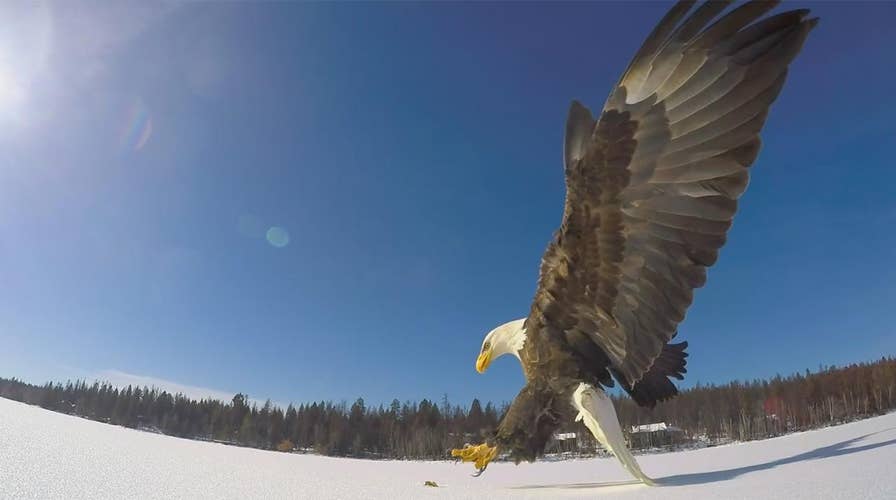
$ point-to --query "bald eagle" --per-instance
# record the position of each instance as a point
(651, 189)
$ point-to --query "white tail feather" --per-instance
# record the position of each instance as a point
(597, 412)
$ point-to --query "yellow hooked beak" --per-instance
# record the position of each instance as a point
(482, 362)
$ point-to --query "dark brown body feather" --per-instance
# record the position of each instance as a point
(652, 188)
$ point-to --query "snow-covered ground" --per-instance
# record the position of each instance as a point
(49, 455)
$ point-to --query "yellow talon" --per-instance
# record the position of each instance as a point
(480, 455)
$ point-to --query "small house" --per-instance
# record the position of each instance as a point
(656, 435)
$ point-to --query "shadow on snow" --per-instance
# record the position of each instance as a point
(834, 450)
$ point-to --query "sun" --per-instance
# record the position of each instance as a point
(12, 95)
(25, 42)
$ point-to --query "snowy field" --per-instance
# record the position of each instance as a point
(49, 455)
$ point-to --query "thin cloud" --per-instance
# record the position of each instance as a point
(123, 379)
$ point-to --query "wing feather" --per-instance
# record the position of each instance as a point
(652, 184)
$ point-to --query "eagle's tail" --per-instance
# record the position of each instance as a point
(655, 385)
(597, 413)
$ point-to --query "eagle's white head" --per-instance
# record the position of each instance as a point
(508, 338)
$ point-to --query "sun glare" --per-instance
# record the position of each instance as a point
(11, 93)
(24, 48)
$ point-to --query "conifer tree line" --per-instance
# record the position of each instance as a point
(427, 430)
(743, 411)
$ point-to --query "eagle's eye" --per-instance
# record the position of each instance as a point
(486, 346)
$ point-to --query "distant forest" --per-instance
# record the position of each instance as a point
(427, 430)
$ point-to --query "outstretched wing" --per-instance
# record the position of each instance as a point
(652, 183)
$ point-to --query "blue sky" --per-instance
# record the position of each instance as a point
(411, 154)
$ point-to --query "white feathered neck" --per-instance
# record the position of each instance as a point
(508, 338)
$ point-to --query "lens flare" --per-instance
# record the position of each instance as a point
(138, 127)
(278, 237)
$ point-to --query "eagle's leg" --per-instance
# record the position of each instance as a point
(480, 455)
